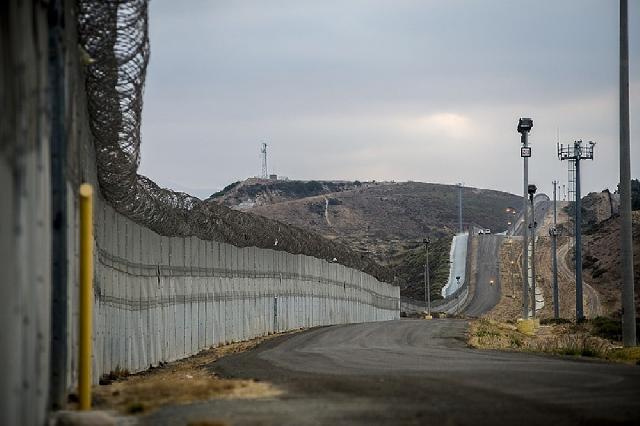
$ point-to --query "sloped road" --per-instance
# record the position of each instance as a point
(414, 372)
(486, 294)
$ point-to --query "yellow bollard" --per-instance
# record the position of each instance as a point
(86, 295)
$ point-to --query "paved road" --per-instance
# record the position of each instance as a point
(486, 295)
(414, 372)
(542, 204)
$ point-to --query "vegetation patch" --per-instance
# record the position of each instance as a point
(489, 334)
(607, 328)
(409, 269)
(561, 337)
(627, 355)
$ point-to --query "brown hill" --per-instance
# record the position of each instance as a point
(387, 220)
(255, 192)
(382, 218)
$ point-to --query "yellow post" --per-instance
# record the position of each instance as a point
(86, 295)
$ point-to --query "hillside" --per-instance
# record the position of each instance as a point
(601, 244)
(386, 220)
(256, 192)
(380, 218)
(601, 260)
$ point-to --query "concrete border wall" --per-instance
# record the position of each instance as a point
(158, 299)
(25, 222)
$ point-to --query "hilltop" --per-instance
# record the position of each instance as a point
(255, 192)
(374, 217)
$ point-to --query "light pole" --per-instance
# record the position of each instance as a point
(626, 239)
(427, 285)
(524, 127)
(554, 240)
(532, 191)
(458, 296)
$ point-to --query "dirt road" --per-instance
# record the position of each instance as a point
(591, 296)
(413, 372)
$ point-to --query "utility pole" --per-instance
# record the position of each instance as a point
(554, 241)
(628, 306)
(456, 311)
(427, 284)
(532, 191)
(460, 207)
(524, 127)
(577, 152)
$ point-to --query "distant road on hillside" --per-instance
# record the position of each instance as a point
(542, 203)
(486, 287)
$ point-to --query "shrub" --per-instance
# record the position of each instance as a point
(607, 328)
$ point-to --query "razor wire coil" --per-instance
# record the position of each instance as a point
(115, 37)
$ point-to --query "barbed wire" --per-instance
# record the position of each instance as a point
(115, 36)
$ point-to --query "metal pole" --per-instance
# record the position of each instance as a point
(554, 241)
(578, 231)
(533, 259)
(428, 283)
(525, 240)
(59, 231)
(460, 207)
(426, 306)
(457, 309)
(86, 295)
(628, 306)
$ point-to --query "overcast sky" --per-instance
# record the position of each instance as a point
(387, 90)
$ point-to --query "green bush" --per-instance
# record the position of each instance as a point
(607, 328)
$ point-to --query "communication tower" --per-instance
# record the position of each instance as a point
(263, 151)
(574, 153)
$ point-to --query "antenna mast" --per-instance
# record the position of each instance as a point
(263, 151)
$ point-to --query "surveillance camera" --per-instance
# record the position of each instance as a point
(531, 189)
(525, 125)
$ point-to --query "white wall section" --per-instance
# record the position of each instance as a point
(457, 268)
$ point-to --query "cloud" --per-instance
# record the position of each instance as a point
(446, 125)
(382, 89)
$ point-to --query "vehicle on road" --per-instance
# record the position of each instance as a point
(487, 231)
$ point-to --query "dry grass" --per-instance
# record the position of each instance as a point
(180, 382)
(563, 339)
(626, 355)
